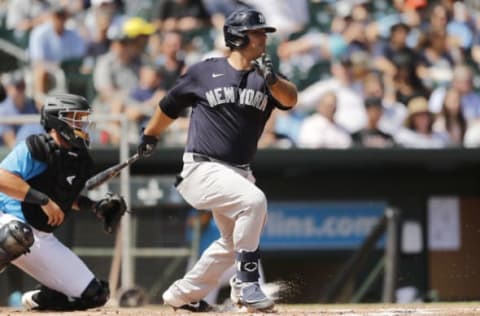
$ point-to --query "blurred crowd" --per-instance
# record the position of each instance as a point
(370, 73)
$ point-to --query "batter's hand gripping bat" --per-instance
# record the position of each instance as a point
(109, 173)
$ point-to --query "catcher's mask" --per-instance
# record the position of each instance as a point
(68, 114)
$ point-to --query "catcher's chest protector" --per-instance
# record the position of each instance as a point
(63, 179)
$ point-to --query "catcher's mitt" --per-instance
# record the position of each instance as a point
(111, 209)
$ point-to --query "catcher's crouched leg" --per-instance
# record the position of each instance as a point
(95, 295)
(16, 238)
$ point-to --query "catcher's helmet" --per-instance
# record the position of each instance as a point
(239, 22)
(68, 115)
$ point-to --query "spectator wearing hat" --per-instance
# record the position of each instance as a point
(139, 30)
(371, 136)
(50, 44)
(320, 130)
(418, 131)
(16, 103)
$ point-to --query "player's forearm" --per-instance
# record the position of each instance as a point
(284, 92)
(158, 123)
(12, 185)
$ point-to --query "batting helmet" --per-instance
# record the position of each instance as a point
(68, 115)
(239, 22)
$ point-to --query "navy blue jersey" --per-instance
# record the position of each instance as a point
(229, 109)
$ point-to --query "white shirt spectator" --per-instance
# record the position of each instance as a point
(472, 135)
(318, 132)
(411, 139)
(350, 110)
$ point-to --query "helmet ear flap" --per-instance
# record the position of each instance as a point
(235, 38)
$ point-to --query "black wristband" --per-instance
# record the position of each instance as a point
(36, 197)
(85, 203)
(272, 79)
(149, 139)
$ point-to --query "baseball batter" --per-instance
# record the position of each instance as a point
(231, 99)
(41, 181)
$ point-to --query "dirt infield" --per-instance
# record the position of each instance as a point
(457, 309)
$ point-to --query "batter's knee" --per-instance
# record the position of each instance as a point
(96, 294)
(16, 238)
(257, 202)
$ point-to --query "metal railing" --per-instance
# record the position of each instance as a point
(388, 224)
(18, 52)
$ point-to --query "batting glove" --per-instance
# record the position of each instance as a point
(147, 145)
(264, 67)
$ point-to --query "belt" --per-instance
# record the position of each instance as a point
(203, 158)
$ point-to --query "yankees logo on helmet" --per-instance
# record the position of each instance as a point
(239, 22)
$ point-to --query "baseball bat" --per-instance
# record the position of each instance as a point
(109, 173)
(115, 265)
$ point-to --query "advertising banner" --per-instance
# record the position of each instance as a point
(319, 225)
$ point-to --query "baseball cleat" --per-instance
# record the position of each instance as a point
(250, 296)
(195, 307)
(28, 300)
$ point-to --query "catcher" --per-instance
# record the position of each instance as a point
(41, 181)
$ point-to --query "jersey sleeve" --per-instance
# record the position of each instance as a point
(181, 96)
(20, 162)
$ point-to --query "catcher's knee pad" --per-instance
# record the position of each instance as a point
(95, 294)
(16, 238)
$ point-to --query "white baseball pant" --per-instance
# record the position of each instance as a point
(52, 264)
(239, 209)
